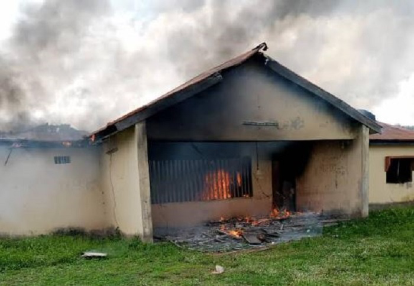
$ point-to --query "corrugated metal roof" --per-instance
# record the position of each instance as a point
(393, 133)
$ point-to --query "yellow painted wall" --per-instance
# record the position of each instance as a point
(38, 196)
(121, 181)
(380, 192)
(335, 180)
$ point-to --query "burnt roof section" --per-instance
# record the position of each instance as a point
(21, 143)
(212, 77)
(45, 133)
(392, 134)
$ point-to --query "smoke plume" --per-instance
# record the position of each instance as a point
(85, 62)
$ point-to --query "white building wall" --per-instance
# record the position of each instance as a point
(38, 196)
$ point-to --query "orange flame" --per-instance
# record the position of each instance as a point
(239, 179)
(236, 233)
(217, 185)
(275, 213)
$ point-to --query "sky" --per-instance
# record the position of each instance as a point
(87, 62)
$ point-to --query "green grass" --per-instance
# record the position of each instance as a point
(377, 250)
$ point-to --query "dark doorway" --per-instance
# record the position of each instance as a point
(286, 168)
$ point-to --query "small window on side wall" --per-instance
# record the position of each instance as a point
(62, 160)
(399, 170)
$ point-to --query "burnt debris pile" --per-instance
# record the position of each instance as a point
(247, 233)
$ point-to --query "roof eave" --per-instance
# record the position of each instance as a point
(155, 107)
(391, 142)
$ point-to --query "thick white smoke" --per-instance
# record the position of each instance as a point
(85, 62)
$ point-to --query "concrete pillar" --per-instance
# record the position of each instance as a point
(363, 139)
(144, 182)
(125, 182)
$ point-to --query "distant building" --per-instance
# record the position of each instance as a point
(391, 165)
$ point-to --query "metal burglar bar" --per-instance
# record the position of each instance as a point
(200, 180)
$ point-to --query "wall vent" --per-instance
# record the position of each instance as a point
(62, 159)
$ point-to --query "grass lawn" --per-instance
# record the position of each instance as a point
(378, 250)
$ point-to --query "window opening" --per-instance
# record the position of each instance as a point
(200, 180)
(62, 159)
(399, 170)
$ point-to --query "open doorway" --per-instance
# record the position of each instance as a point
(286, 168)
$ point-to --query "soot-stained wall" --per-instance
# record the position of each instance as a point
(181, 214)
(336, 177)
(249, 95)
(254, 104)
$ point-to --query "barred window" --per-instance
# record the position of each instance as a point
(200, 180)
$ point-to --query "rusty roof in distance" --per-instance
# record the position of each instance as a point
(393, 133)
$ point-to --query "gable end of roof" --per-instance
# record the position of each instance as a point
(326, 96)
(212, 77)
(182, 92)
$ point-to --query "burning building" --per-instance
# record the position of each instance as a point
(241, 139)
